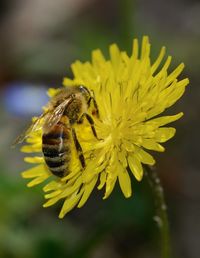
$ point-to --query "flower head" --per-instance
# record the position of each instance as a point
(130, 93)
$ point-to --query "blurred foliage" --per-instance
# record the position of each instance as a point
(28, 230)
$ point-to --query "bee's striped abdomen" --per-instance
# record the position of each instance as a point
(56, 149)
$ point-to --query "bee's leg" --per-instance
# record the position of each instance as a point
(91, 122)
(78, 148)
(96, 109)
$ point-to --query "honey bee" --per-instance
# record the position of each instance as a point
(67, 108)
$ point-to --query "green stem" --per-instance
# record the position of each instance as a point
(161, 211)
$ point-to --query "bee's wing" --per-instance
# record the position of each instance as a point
(54, 117)
(34, 126)
(51, 118)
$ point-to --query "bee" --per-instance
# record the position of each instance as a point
(67, 108)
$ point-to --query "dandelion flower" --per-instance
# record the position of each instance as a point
(131, 92)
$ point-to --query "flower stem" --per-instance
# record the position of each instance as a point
(161, 211)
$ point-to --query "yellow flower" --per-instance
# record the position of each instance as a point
(130, 92)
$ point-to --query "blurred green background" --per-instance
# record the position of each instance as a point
(38, 41)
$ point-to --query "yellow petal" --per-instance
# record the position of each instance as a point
(124, 181)
(52, 194)
(164, 134)
(163, 120)
(97, 58)
(135, 49)
(109, 187)
(52, 92)
(34, 159)
(145, 44)
(115, 57)
(68, 82)
(154, 67)
(144, 157)
(77, 69)
(102, 180)
(175, 73)
(53, 185)
(31, 148)
(68, 190)
(88, 187)
(70, 203)
(37, 180)
(135, 167)
(51, 201)
(175, 95)
(122, 158)
(128, 146)
(150, 144)
(35, 172)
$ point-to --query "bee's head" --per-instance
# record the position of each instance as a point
(85, 92)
